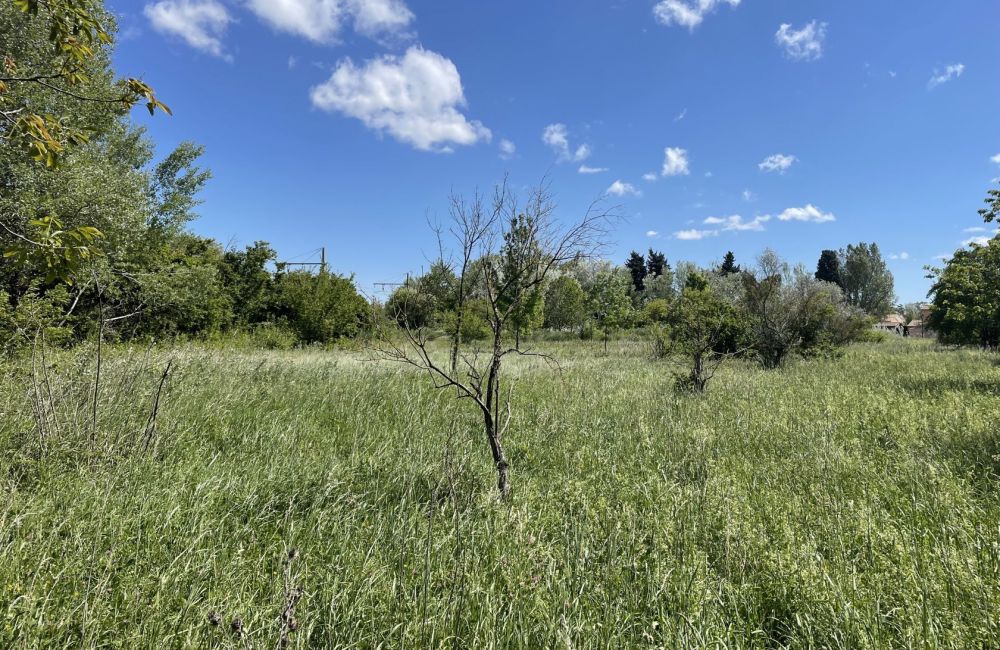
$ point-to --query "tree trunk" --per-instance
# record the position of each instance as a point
(491, 416)
(499, 457)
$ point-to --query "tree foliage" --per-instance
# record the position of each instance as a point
(828, 267)
(965, 307)
(866, 280)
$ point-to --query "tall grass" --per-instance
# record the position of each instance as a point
(843, 503)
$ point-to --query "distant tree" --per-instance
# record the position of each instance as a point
(610, 303)
(866, 279)
(521, 295)
(439, 283)
(828, 268)
(565, 304)
(729, 266)
(700, 326)
(249, 281)
(408, 306)
(636, 266)
(321, 307)
(965, 297)
(656, 264)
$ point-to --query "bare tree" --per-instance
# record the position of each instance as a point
(506, 250)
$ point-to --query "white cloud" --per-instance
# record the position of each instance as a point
(950, 72)
(587, 169)
(808, 213)
(649, 176)
(322, 20)
(804, 44)
(618, 188)
(996, 159)
(507, 149)
(557, 138)
(292, 62)
(975, 229)
(694, 234)
(903, 256)
(675, 162)
(737, 223)
(201, 23)
(415, 98)
(980, 241)
(652, 233)
(777, 163)
(687, 13)
(681, 115)
(749, 196)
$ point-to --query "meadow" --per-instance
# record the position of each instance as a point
(848, 502)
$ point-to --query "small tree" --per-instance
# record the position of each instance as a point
(828, 268)
(700, 326)
(513, 266)
(565, 304)
(610, 303)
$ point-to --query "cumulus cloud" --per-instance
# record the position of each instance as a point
(414, 98)
(749, 196)
(587, 169)
(649, 176)
(652, 233)
(694, 234)
(556, 136)
(200, 23)
(809, 213)
(507, 149)
(777, 163)
(322, 20)
(804, 44)
(903, 256)
(737, 223)
(687, 13)
(945, 75)
(618, 188)
(675, 162)
(996, 159)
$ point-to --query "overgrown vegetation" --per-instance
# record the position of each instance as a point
(844, 502)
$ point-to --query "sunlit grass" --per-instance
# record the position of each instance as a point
(835, 503)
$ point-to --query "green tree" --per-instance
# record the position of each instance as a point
(565, 304)
(249, 282)
(700, 328)
(992, 210)
(828, 268)
(965, 297)
(57, 92)
(321, 307)
(656, 264)
(866, 279)
(636, 266)
(610, 303)
(729, 266)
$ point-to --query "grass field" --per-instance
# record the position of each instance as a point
(847, 503)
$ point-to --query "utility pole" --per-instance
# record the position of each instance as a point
(321, 263)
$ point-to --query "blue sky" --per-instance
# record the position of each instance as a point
(716, 124)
